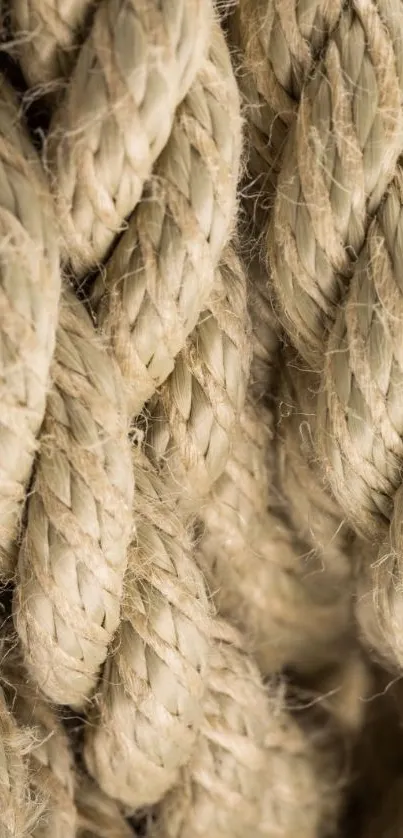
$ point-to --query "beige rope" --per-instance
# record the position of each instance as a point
(73, 557)
(278, 43)
(340, 157)
(136, 65)
(155, 679)
(162, 270)
(283, 577)
(50, 760)
(98, 816)
(194, 416)
(46, 36)
(20, 811)
(254, 772)
(29, 292)
(360, 420)
(150, 701)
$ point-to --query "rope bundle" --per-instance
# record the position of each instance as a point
(200, 422)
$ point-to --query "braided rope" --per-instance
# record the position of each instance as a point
(194, 416)
(150, 703)
(29, 293)
(287, 586)
(19, 810)
(135, 66)
(50, 759)
(278, 43)
(98, 816)
(161, 273)
(73, 558)
(341, 155)
(254, 771)
(46, 33)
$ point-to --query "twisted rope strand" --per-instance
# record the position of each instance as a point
(98, 816)
(161, 273)
(150, 702)
(279, 42)
(73, 557)
(286, 583)
(50, 759)
(47, 38)
(254, 772)
(29, 294)
(194, 417)
(20, 812)
(340, 157)
(136, 65)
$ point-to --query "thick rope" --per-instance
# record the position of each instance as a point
(278, 43)
(268, 574)
(138, 762)
(254, 771)
(149, 707)
(73, 558)
(340, 157)
(50, 759)
(161, 273)
(20, 810)
(136, 65)
(29, 293)
(98, 816)
(193, 420)
(46, 34)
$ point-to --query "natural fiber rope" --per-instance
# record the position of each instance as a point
(278, 43)
(162, 271)
(357, 424)
(294, 611)
(195, 413)
(137, 682)
(29, 293)
(340, 157)
(20, 811)
(253, 772)
(150, 703)
(50, 759)
(98, 816)
(136, 65)
(73, 558)
(46, 38)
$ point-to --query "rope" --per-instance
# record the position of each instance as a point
(134, 68)
(29, 293)
(74, 554)
(161, 273)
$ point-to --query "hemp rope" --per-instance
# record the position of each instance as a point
(20, 811)
(98, 816)
(293, 611)
(340, 157)
(161, 273)
(277, 43)
(359, 461)
(158, 769)
(29, 293)
(134, 68)
(46, 37)
(254, 771)
(193, 418)
(50, 760)
(160, 665)
(149, 706)
(79, 523)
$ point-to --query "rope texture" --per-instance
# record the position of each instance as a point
(196, 443)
